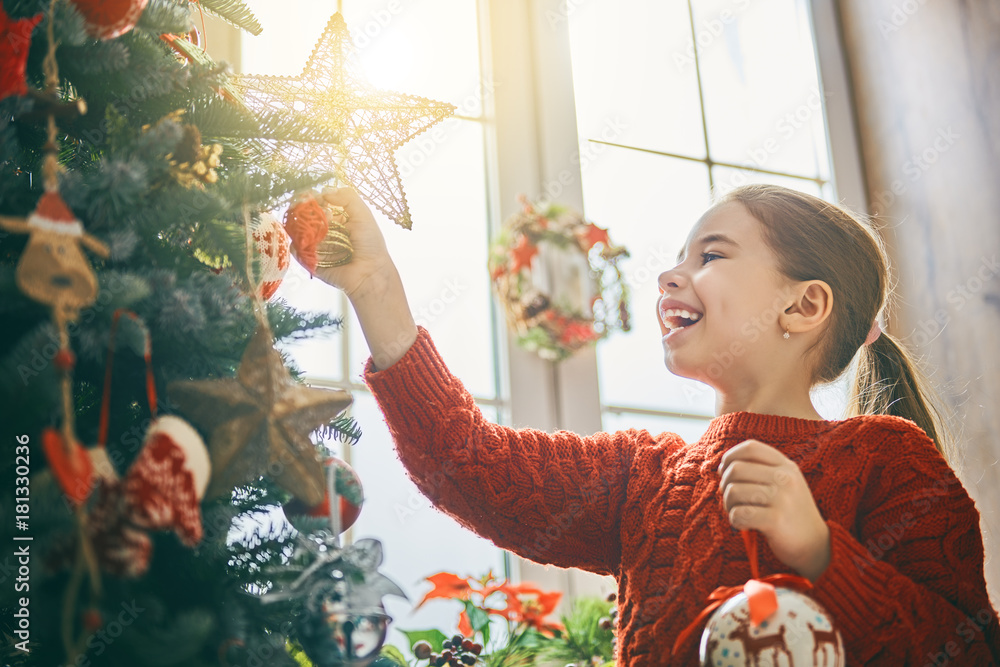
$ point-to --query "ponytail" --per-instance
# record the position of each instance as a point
(889, 382)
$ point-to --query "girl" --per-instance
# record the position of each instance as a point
(866, 508)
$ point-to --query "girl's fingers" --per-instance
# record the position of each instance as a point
(758, 495)
(750, 471)
(752, 450)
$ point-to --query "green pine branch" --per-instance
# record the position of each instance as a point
(236, 13)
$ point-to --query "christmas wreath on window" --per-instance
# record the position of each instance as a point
(558, 278)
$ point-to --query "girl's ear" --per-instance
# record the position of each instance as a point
(812, 306)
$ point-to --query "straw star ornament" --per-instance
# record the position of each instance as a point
(260, 422)
(365, 124)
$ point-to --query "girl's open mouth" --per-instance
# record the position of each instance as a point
(675, 318)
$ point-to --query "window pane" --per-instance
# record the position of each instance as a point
(290, 31)
(649, 203)
(318, 356)
(763, 103)
(634, 74)
(689, 429)
(418, 540)
(726, 179)
(400, 46)
(442, 260)
(422, 49)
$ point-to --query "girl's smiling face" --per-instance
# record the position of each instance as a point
(720, 306)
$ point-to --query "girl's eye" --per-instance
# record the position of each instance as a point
(707, 257)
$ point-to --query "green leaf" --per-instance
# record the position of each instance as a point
(477, 617)
(390, 655)
(433, 637)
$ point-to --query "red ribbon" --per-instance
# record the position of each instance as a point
(147, 352)
(761, 596)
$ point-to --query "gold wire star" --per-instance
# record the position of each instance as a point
(259, 423)
(367, 125)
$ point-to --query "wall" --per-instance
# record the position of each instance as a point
(926, 77)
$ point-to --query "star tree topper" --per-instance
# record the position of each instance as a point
(259, 422)
(369, 124)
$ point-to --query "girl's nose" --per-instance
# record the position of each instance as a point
(671, 279)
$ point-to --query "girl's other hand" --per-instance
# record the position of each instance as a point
(370, 254)
(762, 489)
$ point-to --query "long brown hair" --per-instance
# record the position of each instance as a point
(816, 240)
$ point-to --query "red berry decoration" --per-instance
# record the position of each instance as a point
(65, 360)
(107, 19)
(92, 620)
(422, 650)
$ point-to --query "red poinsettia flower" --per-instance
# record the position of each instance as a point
(529, 605)
(449, 586)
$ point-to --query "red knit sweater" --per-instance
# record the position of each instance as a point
(905, 582)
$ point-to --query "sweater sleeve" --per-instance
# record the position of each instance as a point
(552, 498)
(906, 585)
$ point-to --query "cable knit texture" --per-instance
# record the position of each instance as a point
(905, 582)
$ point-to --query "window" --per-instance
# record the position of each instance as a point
(676, 101)
(445, 173)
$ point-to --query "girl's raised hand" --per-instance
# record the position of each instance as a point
(370, 254)
(372, 283)
(762, 489)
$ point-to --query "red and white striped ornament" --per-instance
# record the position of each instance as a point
(271, 241)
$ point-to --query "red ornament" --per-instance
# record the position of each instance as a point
(92, 620)
(307, 224)
(107, 19)
(15, 42)
(348, 487)
(165, 485)
(70, 465)
(521, 255)
(593, 235)
(271, 242)
(65, 360)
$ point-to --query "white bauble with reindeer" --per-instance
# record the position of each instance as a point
(799, 634)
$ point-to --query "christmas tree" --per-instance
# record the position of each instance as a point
(135, 177)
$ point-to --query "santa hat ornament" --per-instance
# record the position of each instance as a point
(271, 242)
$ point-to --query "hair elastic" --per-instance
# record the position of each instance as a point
(873, 335)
